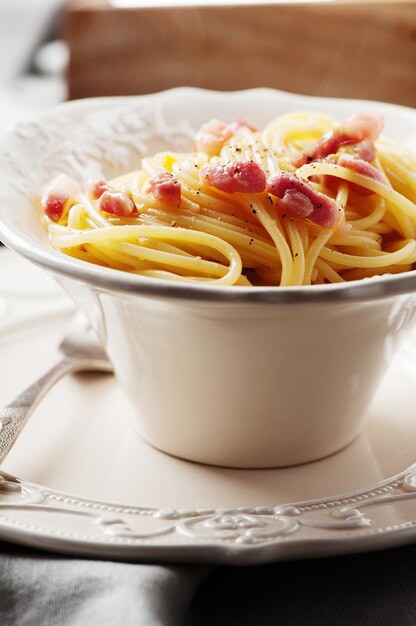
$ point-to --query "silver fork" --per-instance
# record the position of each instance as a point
(80, 352)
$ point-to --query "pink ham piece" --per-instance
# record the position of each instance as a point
(211, 137)
(96, 188)
(242, 177)
(299, 199)
(166, 188)
(117, 203)
(56, 194)
(239, 124)
(358, 128)
(361, 167)
(365, 150)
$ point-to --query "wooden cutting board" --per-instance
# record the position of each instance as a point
(339, 48)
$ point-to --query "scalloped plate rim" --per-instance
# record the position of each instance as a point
(215, 552)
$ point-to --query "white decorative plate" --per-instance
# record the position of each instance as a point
(79, 442)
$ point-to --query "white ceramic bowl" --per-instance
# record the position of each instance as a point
(260, 377)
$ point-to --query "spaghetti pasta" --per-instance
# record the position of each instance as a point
(306, 201)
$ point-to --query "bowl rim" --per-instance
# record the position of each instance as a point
(118, 281)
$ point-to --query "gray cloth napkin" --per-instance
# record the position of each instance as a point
(373, 589)
(38, 589)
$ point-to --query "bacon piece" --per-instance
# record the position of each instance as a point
(358, 128)
(242, 177)
(165, 188)
(56, 194)
(365, 150)
(96, 188)
(238, 124)
(361, 167)
(116, 202)
(300, 199)
(211, 137)
(53, 206)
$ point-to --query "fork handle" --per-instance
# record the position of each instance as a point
(14, 416)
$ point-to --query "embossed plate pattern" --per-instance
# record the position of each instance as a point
(238, 535)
